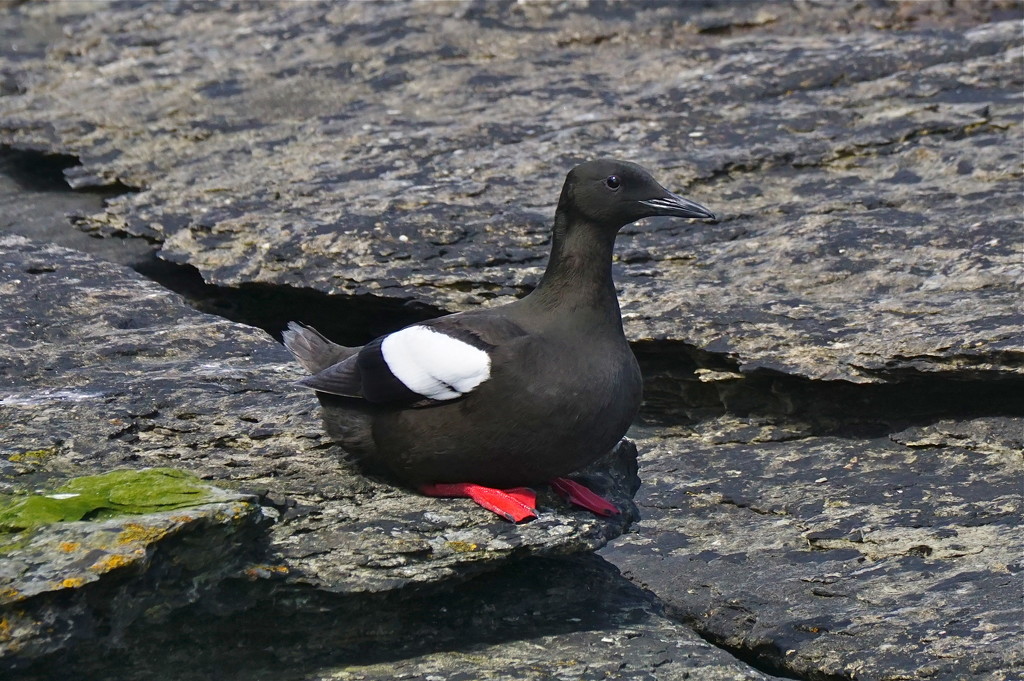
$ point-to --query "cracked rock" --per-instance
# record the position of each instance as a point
(88, 582)
(868, 180)
(103, 369)
(840, 557)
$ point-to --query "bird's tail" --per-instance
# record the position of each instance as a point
(314, 352)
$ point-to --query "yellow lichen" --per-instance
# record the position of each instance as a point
(110, 562)
(32, 456)
(135, 532)
(264, 571)
(68, 546)
(72, 582)
(461, 546)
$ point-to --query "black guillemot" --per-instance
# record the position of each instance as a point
(484, 403)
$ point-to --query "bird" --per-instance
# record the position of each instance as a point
(490, 403)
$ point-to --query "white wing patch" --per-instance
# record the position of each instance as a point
(433, 364)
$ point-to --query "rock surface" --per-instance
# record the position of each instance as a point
(74, 583)
(540, 619)
(104, 369)
(415, 151)
(832, 430)
(825, 557)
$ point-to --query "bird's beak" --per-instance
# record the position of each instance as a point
(676, 206)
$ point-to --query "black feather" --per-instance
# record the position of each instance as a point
(313, 351)
(341, 379)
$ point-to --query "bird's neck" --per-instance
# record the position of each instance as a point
(578, 279)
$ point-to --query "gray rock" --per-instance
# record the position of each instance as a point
(320, 158)
(826, 557)
(103, 369)
(75, 583)
(34, 202)
(867, 177)
(571, 618)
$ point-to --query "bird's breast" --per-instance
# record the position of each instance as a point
(582, 382)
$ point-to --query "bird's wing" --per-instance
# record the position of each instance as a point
(435, 361)
(342, 379)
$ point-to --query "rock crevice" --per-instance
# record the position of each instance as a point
(830, 448)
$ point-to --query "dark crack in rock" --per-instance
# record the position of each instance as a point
(865, 161)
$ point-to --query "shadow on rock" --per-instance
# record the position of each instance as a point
(530, 618)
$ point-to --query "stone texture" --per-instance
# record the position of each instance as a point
(34, 202)
(539, 619)
(865, 164)
(832, 431)
(103, 369)
(828, 557)
(88, 582)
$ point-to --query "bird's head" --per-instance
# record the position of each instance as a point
(614, 193)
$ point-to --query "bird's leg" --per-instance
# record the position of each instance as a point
(516, 504)
(577, 494)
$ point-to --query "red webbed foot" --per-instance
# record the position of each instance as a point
(577, 494)
(516, 504)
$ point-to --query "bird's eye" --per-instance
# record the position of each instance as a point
(612, 182)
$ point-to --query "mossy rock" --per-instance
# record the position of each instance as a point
(93, 497)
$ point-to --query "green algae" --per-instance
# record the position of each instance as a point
(96, 497)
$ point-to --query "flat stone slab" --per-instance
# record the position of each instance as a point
(865, 162)
(534, 620)
(104, 369)
(864, 558)
(867, 178)
(87, 582)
